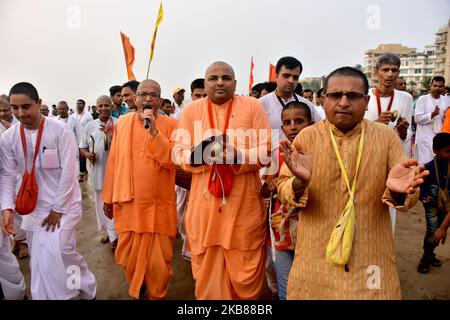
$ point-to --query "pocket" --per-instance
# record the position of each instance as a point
(50, 159)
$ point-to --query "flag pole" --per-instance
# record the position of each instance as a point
(152, 47)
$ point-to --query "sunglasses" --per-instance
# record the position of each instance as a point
(351, 96)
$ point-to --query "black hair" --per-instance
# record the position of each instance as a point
(438, 79)
(114, 89)
(298, 105)
(25, 88)
(268, 86)
(166, 101)
(288, 63)
(319, 92)
(198, 84)
(308, 90)
(299, 89)
(133, 85)
(257, 87)
(387, 58)
(81, 100)
(347, 72)
(441, 141)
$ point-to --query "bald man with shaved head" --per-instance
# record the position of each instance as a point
(139, 193)
(226, 217)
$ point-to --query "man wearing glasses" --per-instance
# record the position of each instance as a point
(346, 162)
(139, 192)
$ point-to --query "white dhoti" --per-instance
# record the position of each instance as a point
(58, 271)
(393, 214)
(11, 279)
(21, 234)
(425, 151)
(102, 221)
(182, 203)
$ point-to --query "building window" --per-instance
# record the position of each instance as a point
(417, 78)
(403, 71)
(416, 71)
(428, 71)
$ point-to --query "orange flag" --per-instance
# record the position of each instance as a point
(272, 76)
(128, 51)
(250, 82)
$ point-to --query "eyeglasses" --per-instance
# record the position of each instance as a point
(152, 95)
(351, 96)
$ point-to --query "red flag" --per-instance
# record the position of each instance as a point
(272, 76)
(250, 82)
(128, 51)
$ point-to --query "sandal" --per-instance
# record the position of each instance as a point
(114, 245)
(423, 266)
(435, 262)
(104, 240)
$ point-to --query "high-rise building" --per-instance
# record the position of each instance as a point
(416, 68)
(443, 53)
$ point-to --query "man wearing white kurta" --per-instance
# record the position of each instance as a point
(390, 106)
(429, 116)
(72, 122)
(58, 271)
(95, 144)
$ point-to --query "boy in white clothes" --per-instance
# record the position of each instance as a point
(429, 116)
(57, 270)
(95, 144)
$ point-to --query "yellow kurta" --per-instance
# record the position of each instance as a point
(240, 224)
(373, 254)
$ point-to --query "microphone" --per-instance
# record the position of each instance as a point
(146, 121)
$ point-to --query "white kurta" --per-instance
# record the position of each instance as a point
(402, 104)
(57, 179)
(273, 108)
(11, 279)
(83, 119)
(94, 140)
(74, 125)
(428, 127)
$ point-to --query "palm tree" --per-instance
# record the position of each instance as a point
(412, 85)
(426, 84)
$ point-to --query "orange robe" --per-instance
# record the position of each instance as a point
(139, 181)
(446, 124)
(226, 240)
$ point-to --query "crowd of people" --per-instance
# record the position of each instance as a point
(289, 187)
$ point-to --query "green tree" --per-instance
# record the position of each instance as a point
(426, 83)
(412, 85)
(359, 67)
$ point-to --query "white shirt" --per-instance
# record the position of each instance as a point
(428, 127)
(273, 108)
(83, 119)
(74, 125)
(57, 182)
(92, 131)
(402, 103)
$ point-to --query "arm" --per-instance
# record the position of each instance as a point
(8, 175)
(161, 148)
(420, 117)
(67, 148)
(404, 178)
(256, 155)
(108, 181)
(295, 174)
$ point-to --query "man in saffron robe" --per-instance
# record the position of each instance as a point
(138, 191)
